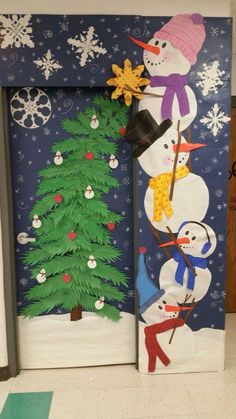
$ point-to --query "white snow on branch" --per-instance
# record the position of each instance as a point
(86, 46)
(215, 119)
(47, 64)
(210, 78)
(16, 30)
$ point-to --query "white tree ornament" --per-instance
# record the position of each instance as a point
(16, 31)
(36, 223)
(215, 119)
(47, 64)
(58, 159)
(113, 162)
(89, 193)
(99, 304)
(92, 264)
(30, 107)
(210, 78)
(86, 46)
(94, 124)
(41, 277)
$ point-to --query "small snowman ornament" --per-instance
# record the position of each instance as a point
(41, 277)
(113, 163)
(89, 193)
(94, 124)
(91, 262)
(58, 159)
(99, 304)
(36, 223)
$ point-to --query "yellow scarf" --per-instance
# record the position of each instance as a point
(161, 184)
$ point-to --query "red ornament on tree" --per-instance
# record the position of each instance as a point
(89, 155)
(111, 226)
(72, 235)
(58, 198)
(66, 277)
(122, 131)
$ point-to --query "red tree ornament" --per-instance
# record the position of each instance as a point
(89, 155)
(72, 235)
(66, 277)
(122, 131)
(58, 198)
(111, 226)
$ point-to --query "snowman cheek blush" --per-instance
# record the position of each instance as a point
(167, 160)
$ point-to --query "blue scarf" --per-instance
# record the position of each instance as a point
(196, 262)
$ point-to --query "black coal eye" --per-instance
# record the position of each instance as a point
(160, 307)
(173, 141)
(164, 302)
(164, 45)
(166, 146)
(186, 233)
(194, 238)
(156, 42)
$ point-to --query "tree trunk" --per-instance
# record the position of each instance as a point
(76, 313)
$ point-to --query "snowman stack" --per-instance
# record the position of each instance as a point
(176, 201)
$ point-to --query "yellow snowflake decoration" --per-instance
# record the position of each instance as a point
(127, 81)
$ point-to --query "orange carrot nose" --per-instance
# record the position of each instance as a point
(187, 147)
(169, 307)
(151, 48)
(181, 240)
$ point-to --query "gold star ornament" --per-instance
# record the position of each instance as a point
(127, 81)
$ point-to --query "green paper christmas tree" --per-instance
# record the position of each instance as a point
(72, 256)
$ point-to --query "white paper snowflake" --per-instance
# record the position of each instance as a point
(86, 46)
(215, 119)
(210, 78)
(47, 64)
(16, 30)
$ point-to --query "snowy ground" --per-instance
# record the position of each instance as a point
(189, 351)
(56, 342)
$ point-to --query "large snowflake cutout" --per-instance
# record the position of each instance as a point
(16, 31)
(215, 119)
(86, 46)
(210, 78)
(47, 64)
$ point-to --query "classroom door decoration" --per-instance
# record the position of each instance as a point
(88, 96)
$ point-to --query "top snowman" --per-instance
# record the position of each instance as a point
(168, 57)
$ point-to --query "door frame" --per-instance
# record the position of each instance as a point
(8, 245)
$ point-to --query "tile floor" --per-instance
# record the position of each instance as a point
(120, 392)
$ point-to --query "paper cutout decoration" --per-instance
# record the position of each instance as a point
(198, 242)
(99, 304)
(127, 81)
(142, 131)
(72, 235)
(47, 64)
(94, 124)
(113, 162)
(41, 277)
(66, 278)
(30, 107)
(58, 159)
(92, 264)
(168, 57)
(36, 223)
(89, 193)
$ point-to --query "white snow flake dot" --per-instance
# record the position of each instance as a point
(86, 46)
(47, 64)
(16, 31)
(215, 119)
(210, 78)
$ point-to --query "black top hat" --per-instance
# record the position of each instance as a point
(142, 130)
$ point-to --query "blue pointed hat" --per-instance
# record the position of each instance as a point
(148, 292)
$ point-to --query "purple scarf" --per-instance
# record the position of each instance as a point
(175, 84)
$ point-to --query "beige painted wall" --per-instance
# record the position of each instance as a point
(143, 7)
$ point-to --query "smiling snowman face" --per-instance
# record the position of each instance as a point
(200, 239)
(169, 61)
(159, 158)
(163, 309)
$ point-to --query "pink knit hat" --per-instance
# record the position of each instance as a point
(185, 32)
